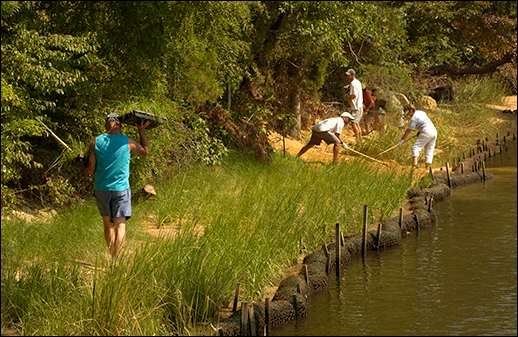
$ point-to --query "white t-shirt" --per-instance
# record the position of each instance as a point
(356, 89)
(334, 125)
(420, 121)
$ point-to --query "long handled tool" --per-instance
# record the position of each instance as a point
(54, 135)
(393, 147)
(377, 161)
(387, 150)
(80, 161)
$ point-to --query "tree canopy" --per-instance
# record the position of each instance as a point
(70, 62)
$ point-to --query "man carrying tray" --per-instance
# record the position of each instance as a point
(108, 159)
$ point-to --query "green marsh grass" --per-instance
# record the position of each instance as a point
(244, 217)
(187, 247)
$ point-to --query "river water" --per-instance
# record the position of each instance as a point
(458, 277)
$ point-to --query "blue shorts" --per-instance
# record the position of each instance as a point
(114, 203)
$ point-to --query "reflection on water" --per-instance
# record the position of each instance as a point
(456, 278)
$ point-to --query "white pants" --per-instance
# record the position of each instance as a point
(426, 139)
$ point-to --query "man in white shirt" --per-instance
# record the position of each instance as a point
(356, 101)
(330, 131)
(426, 136)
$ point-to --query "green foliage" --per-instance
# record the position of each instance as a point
(69, 63)
(208, 47)
(458, 32)
(245, 127)
(388, 79)
(214, 225)
(41, 75)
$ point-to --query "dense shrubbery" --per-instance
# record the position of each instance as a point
(70, 63)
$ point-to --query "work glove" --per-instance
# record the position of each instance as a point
(400, 142)
(344, 145)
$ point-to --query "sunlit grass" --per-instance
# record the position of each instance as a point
(188, 246)
(460, 124)
(241, 218)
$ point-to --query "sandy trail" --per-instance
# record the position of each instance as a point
(324, 153)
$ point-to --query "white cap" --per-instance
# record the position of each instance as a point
(346, 114)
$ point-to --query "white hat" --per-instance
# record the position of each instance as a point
(346, 114)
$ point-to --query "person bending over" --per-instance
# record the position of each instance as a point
(328, 130)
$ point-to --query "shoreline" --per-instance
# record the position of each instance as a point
(291, 298)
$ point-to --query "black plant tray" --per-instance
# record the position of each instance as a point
(137, 116)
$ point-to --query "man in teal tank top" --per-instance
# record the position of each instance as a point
(108, 160)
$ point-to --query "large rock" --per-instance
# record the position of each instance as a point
(427, 102)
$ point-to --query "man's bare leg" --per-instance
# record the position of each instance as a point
(109, 233)
(114, 233)
(120, 234)
(336, 148)
(369, 124)
(304, 149)
(357, 130)
(415, 160)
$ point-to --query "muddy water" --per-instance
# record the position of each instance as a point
(456, 278)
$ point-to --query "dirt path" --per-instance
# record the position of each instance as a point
(324, 153)
(508, 103)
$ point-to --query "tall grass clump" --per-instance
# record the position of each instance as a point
(185, 249)
(470, 117)
(247, 217)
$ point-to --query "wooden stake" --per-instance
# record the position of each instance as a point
(295, 306)
(337, 246)
(236, 296)
(364, 241)
(379, 236)
(267, 315)
(448, 173)
(251, 317)
(400, 217)
(326, 250)
(244, 318)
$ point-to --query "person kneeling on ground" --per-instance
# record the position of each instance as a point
(328, 130)
(426, 136)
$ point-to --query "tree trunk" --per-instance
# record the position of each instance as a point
(451, 70)
(294, 130)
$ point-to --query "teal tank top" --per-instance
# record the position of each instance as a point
(112, 157)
